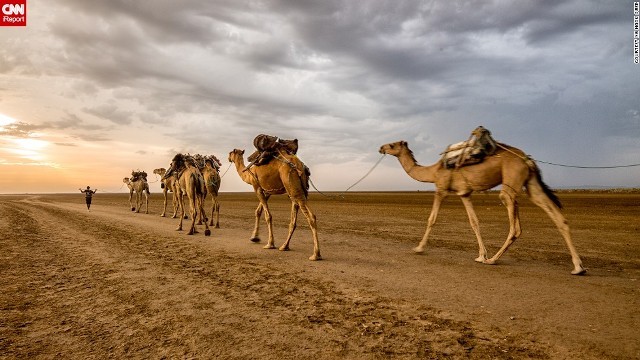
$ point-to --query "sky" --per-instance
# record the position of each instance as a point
(91, 90)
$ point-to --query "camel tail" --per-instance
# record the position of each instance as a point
(545, 188)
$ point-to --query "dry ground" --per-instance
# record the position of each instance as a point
(114, 284)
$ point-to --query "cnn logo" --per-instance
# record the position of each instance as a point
(14, 12)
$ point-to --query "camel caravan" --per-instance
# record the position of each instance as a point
(477, 164)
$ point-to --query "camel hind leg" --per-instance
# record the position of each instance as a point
(539, 197)
(292, 225)
(202, 199)
(194, 213)
(216, 210)
(311, 218)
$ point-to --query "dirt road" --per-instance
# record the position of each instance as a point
(114, 284)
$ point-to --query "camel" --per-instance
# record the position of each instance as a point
(167, 185)
(130, 186)
(212, 182)
(191, 183)
(285, 174)
(509, 167)
(138, 183)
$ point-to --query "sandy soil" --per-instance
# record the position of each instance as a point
(114, 284)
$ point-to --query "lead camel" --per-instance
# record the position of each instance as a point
(509, 167)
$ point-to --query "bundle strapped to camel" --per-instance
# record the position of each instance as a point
(473, 151)
(267, 148)
(136, 175)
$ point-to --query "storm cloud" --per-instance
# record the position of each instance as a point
(555, 78)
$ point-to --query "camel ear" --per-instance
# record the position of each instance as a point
(241, 152)
(404, 143)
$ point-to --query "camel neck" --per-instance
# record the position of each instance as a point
(244, 175)
(414, 170)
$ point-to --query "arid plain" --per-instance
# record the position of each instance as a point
(110, 283)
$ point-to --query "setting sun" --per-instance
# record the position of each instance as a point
(6, 120)
(30, 149)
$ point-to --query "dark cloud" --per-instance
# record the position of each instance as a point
(19, 129)
(550, 76)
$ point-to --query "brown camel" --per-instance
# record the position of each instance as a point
(191, 183)
(128, 182)
(168, 185)
(138, 183)
(212, 182)
(284, 174)
(509, 167)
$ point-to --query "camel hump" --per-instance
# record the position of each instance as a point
(472, 151)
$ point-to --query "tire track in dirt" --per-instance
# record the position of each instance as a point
(108, 289)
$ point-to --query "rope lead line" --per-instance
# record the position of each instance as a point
(563, 165)
(356, 183)
(368, 172)
(588, 167)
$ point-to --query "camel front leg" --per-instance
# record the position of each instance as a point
(475, 225)
(176, 205)
(138, 201)
(267, 217)
(164, 205)
(292, 225)
(437, 201)
(133, 208)
(146, 203)
(255, 236)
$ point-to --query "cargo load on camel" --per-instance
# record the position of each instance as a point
(136, 175)
(267, 148)
(472, 151)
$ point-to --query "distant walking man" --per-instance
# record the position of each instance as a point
(88, 194)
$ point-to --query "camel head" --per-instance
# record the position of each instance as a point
(160, 171)
(125, 180)
(235, 155)
(394, 148)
